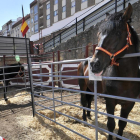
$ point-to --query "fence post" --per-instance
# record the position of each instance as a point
(86, 55)
(53, 40)
(41, 76)
(123, 4)
(96, 111)
(53, 92)
(60, 38)
(83, 24)
(29, 67)
(76, 26)
(115, 6)
(58, 59)
(31, 84)
(4, 60)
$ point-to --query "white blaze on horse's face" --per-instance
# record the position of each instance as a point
(101, 39)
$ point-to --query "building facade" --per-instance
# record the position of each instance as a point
(16, 28)
(7, 28)
(52, 11)
(34, 17)
(43, 16)
(44, 13)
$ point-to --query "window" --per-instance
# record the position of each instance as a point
(72, 4)
(35, 18)
(83, 1)
(32, 29)
(35, 9)
(36, 28)
(55, 13)
(31, 11)
(48, 6)
(28, 22)
(32, 20)
(64, 8)
(55, 2)
(48, 16)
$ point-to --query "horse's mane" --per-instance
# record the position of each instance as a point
(114, 21)
(135, 38)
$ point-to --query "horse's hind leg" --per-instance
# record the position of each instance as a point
(110, 106)
(125, 110)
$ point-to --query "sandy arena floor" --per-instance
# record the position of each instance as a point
(17, 123)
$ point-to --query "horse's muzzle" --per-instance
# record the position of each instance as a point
(95, 66)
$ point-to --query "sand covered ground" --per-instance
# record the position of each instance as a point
(17, 123)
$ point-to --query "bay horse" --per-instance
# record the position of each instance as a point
(17, 69)
(115, 39)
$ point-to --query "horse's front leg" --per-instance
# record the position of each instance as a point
(110, 106)
(89, 100)
(84, 104)
(125, 110)
(5, 90)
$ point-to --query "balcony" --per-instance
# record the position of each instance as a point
(8, 33)
(41, 25)
(40, 5)
(41, 14)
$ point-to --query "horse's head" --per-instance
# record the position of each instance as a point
(113, 39)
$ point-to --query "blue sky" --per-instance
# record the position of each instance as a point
(12, 9)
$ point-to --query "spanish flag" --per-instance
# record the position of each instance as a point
(24, 26)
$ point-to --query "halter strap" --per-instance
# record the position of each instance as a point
(112, 56)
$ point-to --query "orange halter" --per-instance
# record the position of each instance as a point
(112, 56)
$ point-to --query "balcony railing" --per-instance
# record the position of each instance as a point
(41, 3)
(41, 14)
(41, 25)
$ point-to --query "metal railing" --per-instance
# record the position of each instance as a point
(81, 24)
(42, 104)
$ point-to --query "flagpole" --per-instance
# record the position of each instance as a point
(29, 71)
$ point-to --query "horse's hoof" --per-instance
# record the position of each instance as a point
(110, 137)
(89, 117)
(8, 102)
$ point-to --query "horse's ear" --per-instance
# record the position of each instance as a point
(128, 12)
